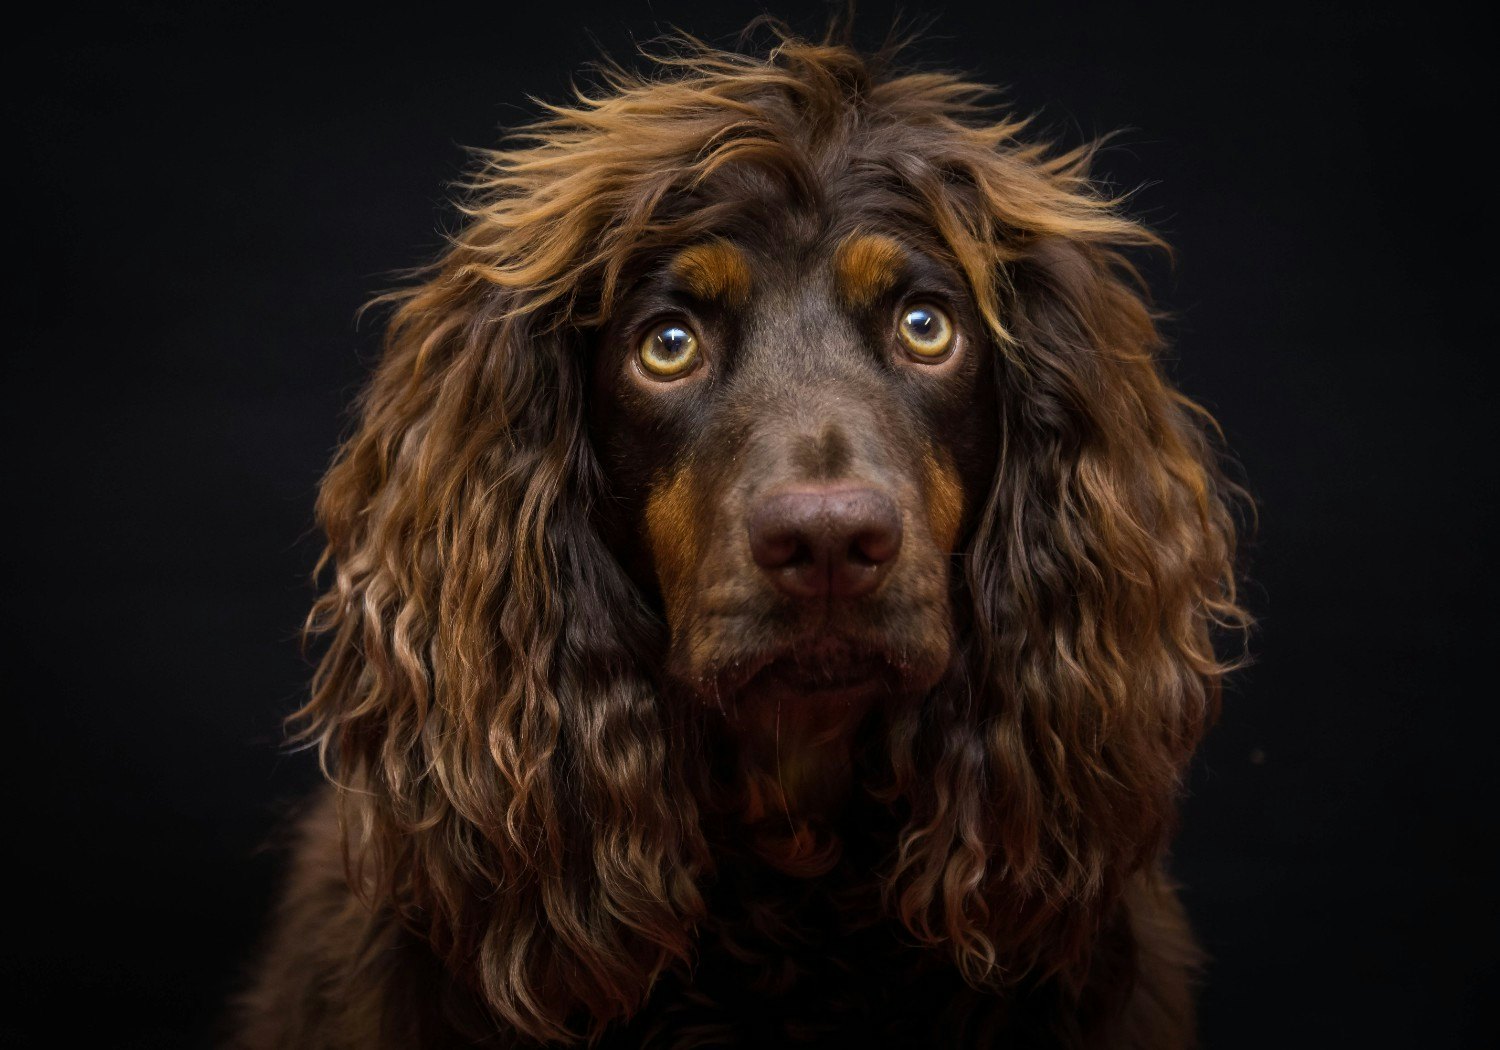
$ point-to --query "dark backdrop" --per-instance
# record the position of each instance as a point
(206, 197)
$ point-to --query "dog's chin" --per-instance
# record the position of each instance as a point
(828, 673)
(794, 714)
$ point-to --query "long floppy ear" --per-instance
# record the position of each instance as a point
(1099, 572)
(506, 780)
(1111, 543)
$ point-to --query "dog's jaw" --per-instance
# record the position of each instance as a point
(796, 770)
(795, 725)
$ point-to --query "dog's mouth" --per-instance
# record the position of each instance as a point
(833, 671)
(792, 674)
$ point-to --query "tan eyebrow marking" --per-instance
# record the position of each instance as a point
(714, 269)
(866, 266)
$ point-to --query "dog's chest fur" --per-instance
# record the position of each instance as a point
(787, 962)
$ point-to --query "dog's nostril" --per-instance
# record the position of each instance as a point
(877, 545)
(825, 540)
(781, 549)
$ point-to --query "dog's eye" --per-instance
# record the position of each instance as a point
(669, 350)
(926, 331)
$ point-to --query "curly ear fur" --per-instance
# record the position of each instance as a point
(509, 778)
(506, 776)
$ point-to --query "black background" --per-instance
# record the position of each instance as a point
(206, 197)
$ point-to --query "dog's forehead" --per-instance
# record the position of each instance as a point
(796, 323)
(852, 227)
(852, 268)
(794, 330)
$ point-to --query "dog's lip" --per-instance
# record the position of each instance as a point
(833, 669)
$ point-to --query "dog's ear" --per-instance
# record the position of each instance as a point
(1100, 570)
(1110, 564)
(506, 778)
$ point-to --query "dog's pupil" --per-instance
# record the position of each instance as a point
(921, 323)
(672, 342)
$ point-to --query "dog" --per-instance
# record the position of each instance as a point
(774, 595)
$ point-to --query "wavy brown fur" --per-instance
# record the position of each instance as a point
(514, 784)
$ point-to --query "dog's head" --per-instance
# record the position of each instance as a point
(788, 401)
(796, 415)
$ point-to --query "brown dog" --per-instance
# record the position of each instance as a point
(772, 595)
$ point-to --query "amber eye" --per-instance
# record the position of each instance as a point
(926, 331)
(669, 350)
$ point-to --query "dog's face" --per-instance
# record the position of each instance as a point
(799, 429)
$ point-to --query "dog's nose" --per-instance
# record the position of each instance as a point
(825, 540)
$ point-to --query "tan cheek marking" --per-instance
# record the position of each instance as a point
(866, 266)
(945, 501)
(715, 270)
(670, 531)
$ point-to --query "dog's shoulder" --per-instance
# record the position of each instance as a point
(336, 973)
